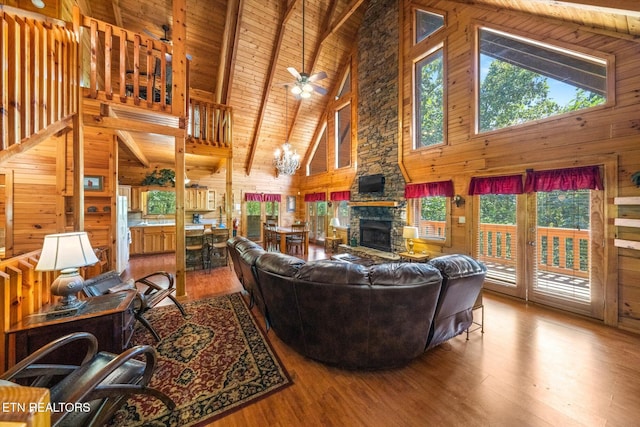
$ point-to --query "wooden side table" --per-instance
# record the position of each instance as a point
(414, 257)
(331, 243)
(109, 317)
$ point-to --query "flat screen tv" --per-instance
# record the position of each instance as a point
(371, 184)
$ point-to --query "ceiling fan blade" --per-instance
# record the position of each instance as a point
(150, 34)
(294, 73)
(318, 76)
(319, 89)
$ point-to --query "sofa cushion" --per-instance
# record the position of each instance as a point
(280, 264)
(333, 272)
(456, 266)
(405, 274)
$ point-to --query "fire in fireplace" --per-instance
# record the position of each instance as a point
(375, 234)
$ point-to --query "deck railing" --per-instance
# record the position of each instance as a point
(559, 250)
(39, 82)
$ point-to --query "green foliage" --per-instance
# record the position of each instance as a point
(160, 177)
(161, 202)
(253, 208)
(510, 95)
(433, 208)
(430, 100)
(564, 209)
(498, 209)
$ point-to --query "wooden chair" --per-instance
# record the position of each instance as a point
(271, 239)
(148, 298)
(296, 240)
(101, 383)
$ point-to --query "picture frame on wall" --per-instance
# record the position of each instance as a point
(94, 183)
(291, 203)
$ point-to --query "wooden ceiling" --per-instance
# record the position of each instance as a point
(241, 49)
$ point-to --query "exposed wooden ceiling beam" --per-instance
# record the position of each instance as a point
(350, 10)
(132, 147)
(229, 42)
(117, 13)
(224, 98)
(268, 82)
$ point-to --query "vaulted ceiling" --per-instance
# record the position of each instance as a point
(241, 49)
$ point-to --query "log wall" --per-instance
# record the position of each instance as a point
(607, 135)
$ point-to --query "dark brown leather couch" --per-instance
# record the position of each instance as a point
(462, 279)
(349, 315)
(363, 317)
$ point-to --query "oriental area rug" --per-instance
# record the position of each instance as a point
(213, 362)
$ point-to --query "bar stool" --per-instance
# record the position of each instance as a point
(196, 249)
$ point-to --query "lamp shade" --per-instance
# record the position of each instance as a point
(335, 222)
(409, 232)
(66, 250)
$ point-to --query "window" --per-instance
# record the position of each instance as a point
(429, 214)
(521, 80)
(342, 212)
(272, 209)
(160, 202)
(318, 162)
(427, 23)
(343, 136)
(429, 100)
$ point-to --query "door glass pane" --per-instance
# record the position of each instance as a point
(497, 237)
(253, 220)
(563, 239)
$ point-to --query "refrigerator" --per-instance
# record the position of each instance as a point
(123, 235)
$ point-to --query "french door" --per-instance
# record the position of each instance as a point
(317, 213)
(545, 247)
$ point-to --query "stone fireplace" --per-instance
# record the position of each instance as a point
(375, 234)
(378, 133)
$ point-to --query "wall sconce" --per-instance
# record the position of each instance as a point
(458, 200)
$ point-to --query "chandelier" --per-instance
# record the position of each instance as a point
(286, 160)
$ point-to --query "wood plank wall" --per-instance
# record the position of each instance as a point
(609, 134)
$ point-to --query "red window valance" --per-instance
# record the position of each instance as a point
(440, 188)
(506, 184)
(338, 196)
(582, 178)
(315, 197)
(271, 197)
(253, 197)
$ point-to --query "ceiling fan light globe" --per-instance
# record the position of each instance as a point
(38, 3)
(296, 90)
(305, 95)
(307, 87)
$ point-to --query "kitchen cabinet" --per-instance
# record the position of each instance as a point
(196, 199)
(153, 239)
(132, 194)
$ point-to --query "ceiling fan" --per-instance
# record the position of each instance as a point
(165, 39)
(305, 83)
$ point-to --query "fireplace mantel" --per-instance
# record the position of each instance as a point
(376, 203)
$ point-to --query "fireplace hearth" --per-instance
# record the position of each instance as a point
(375, 234)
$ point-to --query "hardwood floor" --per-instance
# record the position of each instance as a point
(532, 367)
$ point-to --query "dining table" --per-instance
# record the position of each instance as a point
(283, 232)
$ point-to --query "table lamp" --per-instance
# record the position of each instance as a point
(66, 252)
(410, 233)
(335, 222)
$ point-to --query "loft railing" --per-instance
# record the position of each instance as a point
(210, 123)
(126, 68)
(39, 82)
(559, 250)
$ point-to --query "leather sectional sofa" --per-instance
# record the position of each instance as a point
(355, 316)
